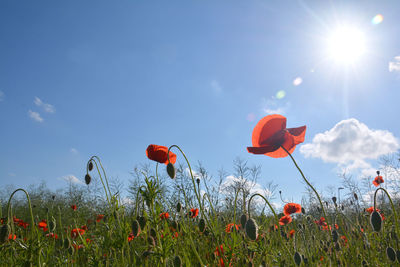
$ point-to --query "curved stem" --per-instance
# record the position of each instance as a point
(391, 203)
(29, 203)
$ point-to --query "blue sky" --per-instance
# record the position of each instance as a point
(94, 77)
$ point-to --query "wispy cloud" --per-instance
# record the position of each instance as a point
(350, 143)
(35, 116)
(71, 179)
(46, 107)
(1, 96)
(395, 65)
(216, 87)
(297, 81)
(271, 106)
(74, 151)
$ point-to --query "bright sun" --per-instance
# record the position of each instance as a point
(346, 45)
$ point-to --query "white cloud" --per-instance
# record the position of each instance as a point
(71, 179)
(297, 81)
(46, 107)
(216, 86)
(74, 151)
(271, 106)
(35, 116)
(395, 65)
(1, 96)
(349, 143)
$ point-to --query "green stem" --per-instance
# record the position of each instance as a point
(391, 203)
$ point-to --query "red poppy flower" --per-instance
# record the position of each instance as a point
(76, 232)
(52, 235)
(193, 213)
(231, 227)
(130, 237)
(371, 209)
(13, 237)
(378, 180)
(290, 208)
(43, 225)
(99, 217)
(285, 220)
(160, 154)
(321, 221)
(291, 233)
(164, 215)
(77, 247)
(73, 207)
(271, 133)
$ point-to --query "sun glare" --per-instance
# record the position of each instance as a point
(346, 45)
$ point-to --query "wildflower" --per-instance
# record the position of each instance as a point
(73, 207)
(160, 154)
(230, 227)
(164, 215)
(84, 228)
(344, 239)
(99, 217)
(76, 232)
(291, 208)
(130, 237)
(321, 222)
(271, 133)
(378, 180)
(12, 237)
(371, 209)
(291, 233)
(52, 235)
(193, 213)
(285, 220)
(43, 225)
(77, 247)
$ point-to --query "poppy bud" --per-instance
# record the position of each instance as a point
(334, 199)
(171, 170)
(355, 196)
(202, 225)
(198, 181)
(53, 197)
(335, 236)
(174, 225)
(90, 165)
(297, 258)
(142, 222)
(376, 221)
(177, 261)
(3, 233)
(303, 210)
(391, 254)
(364, 263)
(251, 229)
(88, 179)
(135, 228)
(178, 207)
(243, 220)
(378, 172)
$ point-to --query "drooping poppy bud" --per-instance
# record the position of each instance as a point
(90, 166)
(251, 229)
(178, 207)
(135, 228)
(391, 254)
(376, 221)
(198, 181)
(177, 261)
(297, 258)
(88, 179)
(335, 236)
(171, 170)
(202, 225)
(243, 220)
(334, 200)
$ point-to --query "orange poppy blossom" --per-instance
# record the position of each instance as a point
(164, 215)
(193, 213)
(73, 207)
(99, 217)
(43, 225)
(52, 235)
(285, 220)
(291, 208)
(270, 135)
(131, 237)
(378, 180)
(371, 209)
(291, 233)
(231, 227)
(160, 154)
(76, 232)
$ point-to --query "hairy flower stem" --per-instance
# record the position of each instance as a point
(101, 179)
(33, 228)
(391, 203)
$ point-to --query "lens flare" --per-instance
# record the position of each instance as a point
(280, 94)
(377, 19)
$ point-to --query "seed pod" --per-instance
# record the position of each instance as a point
(171, 170)
(3, 233)
(243, 220)
(303, 210)
(391, 254)
(90, 166)
(198, 181)
(335, 236)
(178, 207)
(135, 228)
(177, 261)
(376, 221)
(142, 222)
(88, 179)
(251, 229)
(355, 196)
(297, 258)
(334, 199)
(202, 225)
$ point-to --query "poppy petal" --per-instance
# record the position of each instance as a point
(288, 144)
(261, 150)
(298, 134)
(266, 128)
